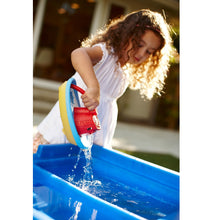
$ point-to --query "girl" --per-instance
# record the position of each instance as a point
(133, 51)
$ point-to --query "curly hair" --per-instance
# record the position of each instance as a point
(148, 76)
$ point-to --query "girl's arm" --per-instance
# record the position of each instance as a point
(83, 60)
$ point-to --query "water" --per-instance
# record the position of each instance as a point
(87, 178)
(77, 206)
(119, 194)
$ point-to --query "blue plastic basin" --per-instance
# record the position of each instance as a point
(128, 187)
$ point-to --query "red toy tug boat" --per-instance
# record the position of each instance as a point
(79, 123)
(86, 121)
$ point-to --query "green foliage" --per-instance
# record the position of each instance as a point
(164, 160)
(175, 37)
(168, 108)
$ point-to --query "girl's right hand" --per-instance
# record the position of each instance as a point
(91, 98)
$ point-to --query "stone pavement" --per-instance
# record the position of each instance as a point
(146, 139)
(134, 137)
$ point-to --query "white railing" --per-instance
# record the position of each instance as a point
(45, 95)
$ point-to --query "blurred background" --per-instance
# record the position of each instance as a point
(146, 129)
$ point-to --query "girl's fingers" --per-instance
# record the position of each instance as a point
(38, 139)
(90, 106)
(90, 103)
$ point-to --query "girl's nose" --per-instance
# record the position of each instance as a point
(142, 52)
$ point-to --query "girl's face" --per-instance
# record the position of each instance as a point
(149, 43)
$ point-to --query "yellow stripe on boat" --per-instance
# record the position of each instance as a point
(63, 113)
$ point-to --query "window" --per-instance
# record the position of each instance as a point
(65, 24)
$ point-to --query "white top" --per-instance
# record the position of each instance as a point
(113, 83)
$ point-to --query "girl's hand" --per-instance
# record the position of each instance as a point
(91, 98)
(38, 139)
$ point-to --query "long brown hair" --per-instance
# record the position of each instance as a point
(148, 76)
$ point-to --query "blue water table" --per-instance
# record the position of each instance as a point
(125, 187)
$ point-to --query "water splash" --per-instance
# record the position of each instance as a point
(87, 179)
(71, 176)
(78, 158)
(77, 206)
(85, 183)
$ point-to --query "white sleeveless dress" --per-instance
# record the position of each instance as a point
(113, 83)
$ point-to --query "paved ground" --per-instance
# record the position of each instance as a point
(147, 139)
(139, 138)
